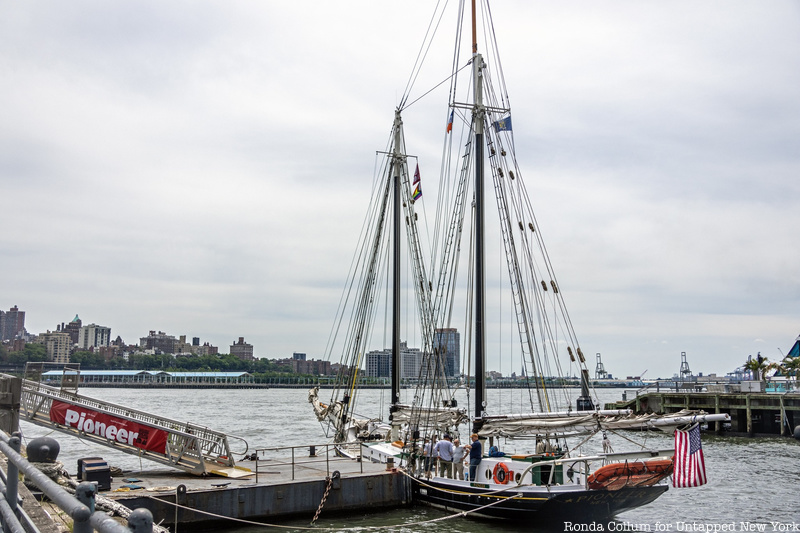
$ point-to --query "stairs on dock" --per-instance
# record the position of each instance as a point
(192, 448)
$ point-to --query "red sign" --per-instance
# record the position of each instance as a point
(109, 427)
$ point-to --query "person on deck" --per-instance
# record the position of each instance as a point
(426, 454)
(444, 451)
(475, 455)
(459, 453)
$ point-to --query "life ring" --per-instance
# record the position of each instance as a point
(501, 474)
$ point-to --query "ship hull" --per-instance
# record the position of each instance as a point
(539, 504)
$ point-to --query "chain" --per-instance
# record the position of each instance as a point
(330, 479)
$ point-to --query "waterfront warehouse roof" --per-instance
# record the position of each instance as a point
(209, 374)
(138, 376)
(120, 373)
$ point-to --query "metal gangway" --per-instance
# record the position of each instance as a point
(195, 449)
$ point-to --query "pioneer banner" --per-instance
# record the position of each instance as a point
(109, 427)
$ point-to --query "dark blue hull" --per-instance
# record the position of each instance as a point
(536, 505)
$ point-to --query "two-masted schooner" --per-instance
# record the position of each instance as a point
(546, 472)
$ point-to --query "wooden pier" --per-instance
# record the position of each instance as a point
(752, 413)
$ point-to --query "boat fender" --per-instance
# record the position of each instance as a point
(501, 474)
(398, 444)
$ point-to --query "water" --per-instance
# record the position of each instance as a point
(751, 481)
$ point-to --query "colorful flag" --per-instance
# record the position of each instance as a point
(504, 124)
(416, 175)
(690, 465)
(417, 193)
(450, 122)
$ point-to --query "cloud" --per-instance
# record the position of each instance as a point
(204, 169)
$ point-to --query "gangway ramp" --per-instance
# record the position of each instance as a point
(189, 447)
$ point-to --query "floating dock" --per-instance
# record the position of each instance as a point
(284, 489)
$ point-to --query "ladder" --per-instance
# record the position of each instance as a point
(192, 448)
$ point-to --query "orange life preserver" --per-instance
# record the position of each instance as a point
(501, 474)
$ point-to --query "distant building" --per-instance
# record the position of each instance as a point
(159, 342)
(17, 345)
(185, 349)
(12, 324)
(448, 343)
(93, 336)
(182, 347)
(242, 350)
(299, 356)
(58, 345)
(205, 349)
(410, 362)
(109, 352)
(72, 329)
(301, 366)
(378, 363)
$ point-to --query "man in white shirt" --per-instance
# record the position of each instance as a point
(459, 453)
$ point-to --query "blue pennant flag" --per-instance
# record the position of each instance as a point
(504, 124)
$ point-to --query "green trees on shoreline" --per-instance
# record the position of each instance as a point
(166, 362)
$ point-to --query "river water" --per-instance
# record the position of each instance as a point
(751, 482)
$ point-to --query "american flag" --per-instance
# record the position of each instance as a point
(690, 465)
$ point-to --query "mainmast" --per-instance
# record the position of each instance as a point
(478, 113)
(397, 163)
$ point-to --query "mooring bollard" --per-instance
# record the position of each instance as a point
(85, 492)
(141, 521)
(12, 481)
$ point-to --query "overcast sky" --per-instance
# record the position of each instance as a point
(202, 168)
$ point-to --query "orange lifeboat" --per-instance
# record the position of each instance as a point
(636, 474)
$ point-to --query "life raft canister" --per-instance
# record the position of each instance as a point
(638, 472)
(501, 474)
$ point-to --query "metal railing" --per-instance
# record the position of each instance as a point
(311, 455)
(190, 447)
(80, 508)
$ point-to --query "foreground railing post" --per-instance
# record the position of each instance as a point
(141, 521)
(85, 492)
(12, 481)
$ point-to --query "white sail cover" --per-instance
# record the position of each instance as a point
(570, 423)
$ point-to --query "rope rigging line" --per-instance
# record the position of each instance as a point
(405, 106)
(423, 51)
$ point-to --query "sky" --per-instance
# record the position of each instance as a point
(203, 168)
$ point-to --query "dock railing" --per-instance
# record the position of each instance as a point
(301, 457)
(80, 508)
(667, 386)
